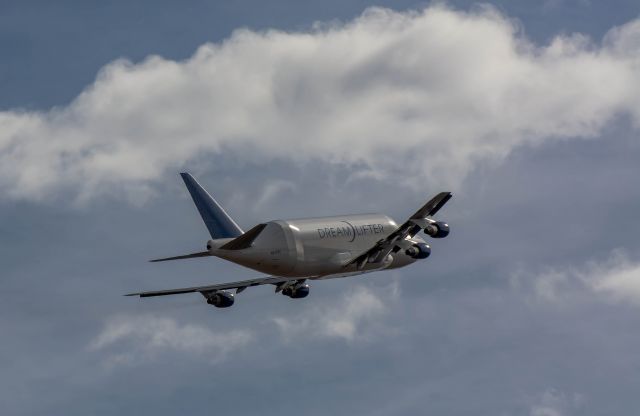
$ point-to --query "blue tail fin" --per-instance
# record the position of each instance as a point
(219, 224)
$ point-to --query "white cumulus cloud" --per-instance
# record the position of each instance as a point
(422, 95)
(132, 339)
(555, 403)
(352, 317)
(616, 278)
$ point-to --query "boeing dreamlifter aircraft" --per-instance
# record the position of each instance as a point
(294, 251)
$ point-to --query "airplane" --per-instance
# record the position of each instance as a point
(295, 251)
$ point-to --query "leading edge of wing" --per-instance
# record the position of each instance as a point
(433, 205)
(242, 284)
(408, 228)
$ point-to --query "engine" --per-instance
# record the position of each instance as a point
(220, 299)
(419, 251)
(297, 291)
(437, 229)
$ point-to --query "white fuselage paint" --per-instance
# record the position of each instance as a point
(316, 247)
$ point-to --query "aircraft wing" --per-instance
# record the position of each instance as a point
(239, 286)
(396, 240)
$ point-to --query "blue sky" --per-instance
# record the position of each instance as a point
(527, 112)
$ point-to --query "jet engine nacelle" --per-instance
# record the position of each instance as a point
(296, 292)
(419, 251)
(437, 229)
(220, 299)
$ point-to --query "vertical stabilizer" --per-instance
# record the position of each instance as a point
(219, 224)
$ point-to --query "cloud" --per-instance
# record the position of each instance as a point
(556, 403)
(351, 318)
(422, 96)
(131, 339)
(616, 278)
(271, 191)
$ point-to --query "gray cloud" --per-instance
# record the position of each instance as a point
(440, 90)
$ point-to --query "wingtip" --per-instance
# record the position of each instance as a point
(446, 195)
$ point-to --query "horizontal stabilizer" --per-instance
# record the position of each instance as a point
(185, 256)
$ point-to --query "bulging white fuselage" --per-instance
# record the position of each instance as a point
(315, 247)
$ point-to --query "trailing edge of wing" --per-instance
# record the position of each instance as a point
(242, 284)
(185, 256)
